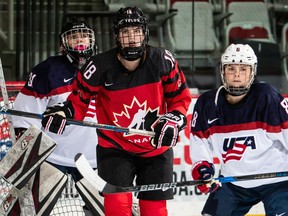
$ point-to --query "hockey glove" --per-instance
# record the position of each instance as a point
(203, 170)
(19, 132)
(168, 128)
(54, 118)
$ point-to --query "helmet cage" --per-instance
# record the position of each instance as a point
(129, 17)
(238, 54)
(83, 50)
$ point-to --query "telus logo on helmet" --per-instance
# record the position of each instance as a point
(129, 21)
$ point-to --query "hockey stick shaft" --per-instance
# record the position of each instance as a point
(81, 123)
(91, 176)
(166, 186)
(228, 179)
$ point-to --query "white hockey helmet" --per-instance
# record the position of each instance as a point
(238, 54)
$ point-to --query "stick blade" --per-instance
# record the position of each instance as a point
(88, 173)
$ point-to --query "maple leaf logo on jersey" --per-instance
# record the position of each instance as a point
(235, 147)
(137, 116)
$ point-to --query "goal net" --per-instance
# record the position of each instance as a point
(70, 203)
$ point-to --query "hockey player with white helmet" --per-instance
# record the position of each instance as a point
(245, 124)
(245, 56)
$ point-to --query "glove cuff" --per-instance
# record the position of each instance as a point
(177, 117)
(69, 109)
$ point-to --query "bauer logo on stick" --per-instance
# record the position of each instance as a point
(163, 187)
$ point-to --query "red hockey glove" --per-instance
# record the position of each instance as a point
(203, 170)
(54, 118)
(168, 128)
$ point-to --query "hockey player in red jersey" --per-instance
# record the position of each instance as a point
(139, 86)
(245, 125)
(49, 83)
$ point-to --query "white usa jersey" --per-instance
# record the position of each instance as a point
(250, 137)
(49, 83)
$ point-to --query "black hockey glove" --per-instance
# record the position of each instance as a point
(168, 128)
(19, 132)
(54, 118)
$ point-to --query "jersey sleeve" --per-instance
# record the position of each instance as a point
(44, 87)
(83, 90)
(176, 90)
(200, 147)
(29, 99)
(277, 120)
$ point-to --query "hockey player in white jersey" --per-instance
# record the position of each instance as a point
(49, 83)
(245, 124)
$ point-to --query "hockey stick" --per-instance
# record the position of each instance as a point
(91, 176)
(80, 123)
(6, 103)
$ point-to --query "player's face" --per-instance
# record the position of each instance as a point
(132, 36)
(237, 75)
(79, 40)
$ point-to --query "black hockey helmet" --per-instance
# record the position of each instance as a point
(69, 32)
(130, 16)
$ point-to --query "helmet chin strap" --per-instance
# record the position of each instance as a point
(72, 60)
(237, 91)
(132, 53)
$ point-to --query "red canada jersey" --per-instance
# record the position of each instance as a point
(130, 99)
